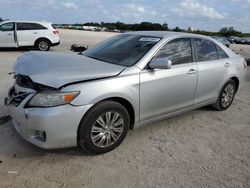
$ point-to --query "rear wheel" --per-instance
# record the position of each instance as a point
(43, 45)
(103, 128)
(226, 96)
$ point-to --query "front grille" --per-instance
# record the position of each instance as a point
(18, 99)
(15, 98)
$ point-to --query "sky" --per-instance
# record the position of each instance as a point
(199, 14)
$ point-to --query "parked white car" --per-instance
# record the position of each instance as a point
(14, 34)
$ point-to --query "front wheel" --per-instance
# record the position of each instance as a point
(226, 96)
(104, 127)
(43, 45)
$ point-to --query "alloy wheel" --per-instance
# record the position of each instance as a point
(107, 129)
(43, 45)
(227, 95)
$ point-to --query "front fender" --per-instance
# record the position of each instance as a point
(92, 92)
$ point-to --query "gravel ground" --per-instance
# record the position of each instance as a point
(201, 148)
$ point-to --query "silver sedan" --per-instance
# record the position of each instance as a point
(91, 100)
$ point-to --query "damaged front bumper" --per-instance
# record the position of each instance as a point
(49, 128)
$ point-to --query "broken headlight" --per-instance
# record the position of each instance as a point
(51, 99)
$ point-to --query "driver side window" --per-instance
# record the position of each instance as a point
(179, 51)
(7, 27)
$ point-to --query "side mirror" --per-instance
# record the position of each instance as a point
(160, 63)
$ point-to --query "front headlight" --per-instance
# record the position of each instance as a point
(50, 99)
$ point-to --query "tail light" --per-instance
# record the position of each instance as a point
(245, 63)
(56, 32)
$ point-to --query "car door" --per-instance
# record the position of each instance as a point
(163, 91)
(213, 64)
(7, 35)
(28, 33)
(24, 34)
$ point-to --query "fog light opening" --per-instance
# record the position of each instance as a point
(40, 135)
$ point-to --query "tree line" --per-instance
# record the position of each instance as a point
(146, 26)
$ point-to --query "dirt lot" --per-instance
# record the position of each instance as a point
(202, 148)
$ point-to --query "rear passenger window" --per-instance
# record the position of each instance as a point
(29, 26)
(179, 51)
(205, 50)
(221, 53)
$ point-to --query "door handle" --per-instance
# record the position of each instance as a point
(192, 71)
(34, 32)
(227, 64)
(9, 34)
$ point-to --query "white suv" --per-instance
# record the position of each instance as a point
(14, 34)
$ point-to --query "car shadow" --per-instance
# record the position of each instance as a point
(23, 149)
(206, 108)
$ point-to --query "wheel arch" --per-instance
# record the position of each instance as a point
(129, 107)
(124, 102)
(237, 82)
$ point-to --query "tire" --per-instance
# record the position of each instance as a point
(96, 135)
(43, 45)
(226, 96)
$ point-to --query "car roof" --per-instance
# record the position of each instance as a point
(166, 34)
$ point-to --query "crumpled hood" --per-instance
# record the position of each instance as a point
(57, 69)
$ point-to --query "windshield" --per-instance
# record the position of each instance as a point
(124, 49)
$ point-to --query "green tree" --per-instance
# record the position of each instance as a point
(147, 26)
(1, 19)
(92, 24)
(177, 29)
(121, 26)
(229, 31)
(165, 26)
